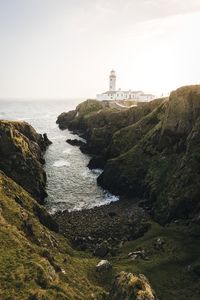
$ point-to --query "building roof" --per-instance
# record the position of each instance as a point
(120, 91)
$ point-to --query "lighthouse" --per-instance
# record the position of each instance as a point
(113, 94)
(112, 82)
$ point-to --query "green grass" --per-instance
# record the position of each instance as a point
(44, 264)
(39, 263)
(167, 269)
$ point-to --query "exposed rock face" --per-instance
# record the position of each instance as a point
(163, 163)
(64, 119)
(150, 151)
(75, 142)
(21, 152)
(98, 122)
(128, 286)
(47, 142)
(75, 117)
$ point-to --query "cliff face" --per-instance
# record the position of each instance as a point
(162, 163)
(76, 116)
(21, 152)
(150, 151)
(98, 122)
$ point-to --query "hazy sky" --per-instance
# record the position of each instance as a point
(66, 48)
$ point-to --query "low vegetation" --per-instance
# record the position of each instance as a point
(37, 263)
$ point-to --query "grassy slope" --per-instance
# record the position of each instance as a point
(34, 260)
(169, 269)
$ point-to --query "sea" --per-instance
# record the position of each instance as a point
(70, 184)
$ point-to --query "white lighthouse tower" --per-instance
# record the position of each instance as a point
(112, 82)
(113, 94)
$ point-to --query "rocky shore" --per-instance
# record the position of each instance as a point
(103, 230)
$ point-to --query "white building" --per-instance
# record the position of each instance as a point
(114, 94)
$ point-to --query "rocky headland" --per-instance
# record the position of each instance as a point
(149, 151)
(21, 152)
(149, 155)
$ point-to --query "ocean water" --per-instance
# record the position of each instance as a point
(70, 184)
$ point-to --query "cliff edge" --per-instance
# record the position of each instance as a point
(150, 151)
(21, 152)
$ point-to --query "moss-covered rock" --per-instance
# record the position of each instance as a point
(21, 152)
(75, 117)
(151, 151)
(131, 286)
(97, 121)
(162, 163)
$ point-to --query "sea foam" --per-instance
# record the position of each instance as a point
(61, 163)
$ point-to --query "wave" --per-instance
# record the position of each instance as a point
(67, 151)
(61, 163)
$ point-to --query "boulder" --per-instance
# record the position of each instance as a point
(128, 286)
(97, 162)
(102, 249)
(46, 140)
(141, 254)
(75, 142)
(103, 265)
(159, 243)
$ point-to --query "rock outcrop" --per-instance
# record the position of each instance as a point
(151, 151)
(75, 117)
(162, 164)
(128, 286)
(21, 152)
(103, 266)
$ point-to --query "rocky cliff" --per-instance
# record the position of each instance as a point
(21, 152)
(150, 151)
